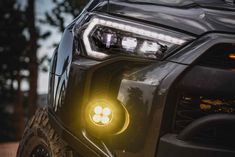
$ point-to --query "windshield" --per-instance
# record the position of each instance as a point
(184, 2)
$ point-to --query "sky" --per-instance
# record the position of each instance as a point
(46, 48)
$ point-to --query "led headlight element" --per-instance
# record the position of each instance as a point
(104, 37)
(129, 43)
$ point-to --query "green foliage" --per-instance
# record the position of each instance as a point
(18, 52)
(13, 59)
(13, 43)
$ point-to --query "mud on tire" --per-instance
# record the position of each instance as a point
(39, 137)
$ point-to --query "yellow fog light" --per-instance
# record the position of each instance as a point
(101, 116)
(105, 118)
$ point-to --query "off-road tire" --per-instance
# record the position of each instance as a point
(39, 132)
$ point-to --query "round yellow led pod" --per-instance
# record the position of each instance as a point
(101, 115)
(105, 120)
(104, 117)
(97, 118)
(98, 110)
(106, 111)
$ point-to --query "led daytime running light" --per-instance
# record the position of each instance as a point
(138, 31)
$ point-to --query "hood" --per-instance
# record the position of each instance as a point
(196, 20)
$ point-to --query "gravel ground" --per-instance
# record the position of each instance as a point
(8, 149)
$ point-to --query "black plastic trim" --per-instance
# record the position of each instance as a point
(209, 81)
(194, 50)
(207, 121)
(170, 146)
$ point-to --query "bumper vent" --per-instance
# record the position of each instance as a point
(191, 108)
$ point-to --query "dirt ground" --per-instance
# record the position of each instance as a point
(8, 149)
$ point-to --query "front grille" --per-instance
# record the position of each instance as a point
(219, 56)
(191, 108)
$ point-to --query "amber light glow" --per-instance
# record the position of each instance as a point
(106, 117)
(232, 56)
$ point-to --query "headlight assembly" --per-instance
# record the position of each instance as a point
(105, 37)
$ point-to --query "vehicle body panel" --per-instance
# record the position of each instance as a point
(195, 20)
(143, 86)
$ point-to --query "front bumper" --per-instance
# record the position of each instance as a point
(170, 146)
(144, 90)
(138, 88)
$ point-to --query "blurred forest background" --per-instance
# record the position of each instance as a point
(29, 31)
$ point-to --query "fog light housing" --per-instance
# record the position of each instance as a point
(105, 117)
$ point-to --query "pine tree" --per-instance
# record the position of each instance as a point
(13, 61)
(62, 9)
(32, 53)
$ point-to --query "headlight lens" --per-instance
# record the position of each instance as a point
(105, 37)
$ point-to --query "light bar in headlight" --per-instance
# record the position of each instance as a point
(104, 37)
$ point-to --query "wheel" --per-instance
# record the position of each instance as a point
(41, 140)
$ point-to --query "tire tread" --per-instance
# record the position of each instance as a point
(39, 126)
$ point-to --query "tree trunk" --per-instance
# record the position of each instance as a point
(33, 64)
(18, 111)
